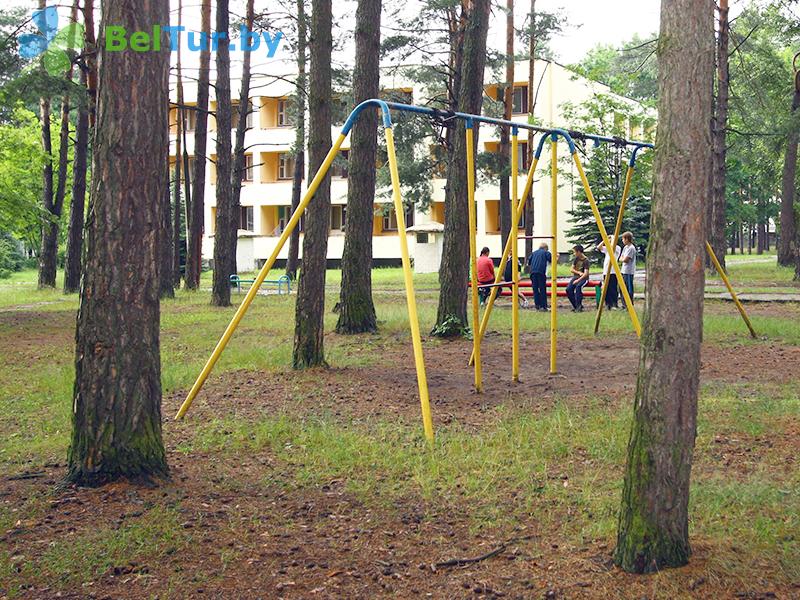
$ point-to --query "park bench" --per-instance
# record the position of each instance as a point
(280, 282)
(526, 288)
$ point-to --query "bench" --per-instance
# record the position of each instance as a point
(526, 288)
(281, 281)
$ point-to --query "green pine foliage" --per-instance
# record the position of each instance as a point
(606, 166)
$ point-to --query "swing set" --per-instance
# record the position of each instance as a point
(510, 250)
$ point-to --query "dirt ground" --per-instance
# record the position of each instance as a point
(323, 542)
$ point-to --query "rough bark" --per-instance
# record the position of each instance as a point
(46, 261)
(227, 222)
(531, 107)
(310, 308)
(239, 159)
(451, 317)
(195, 202)
(356, 308)
(653, 520)
(72, 262)
(788, 249)
(166, 285)
(717, 208)
(180, 166)
(117, 394)
(300, 136)
(505, 146)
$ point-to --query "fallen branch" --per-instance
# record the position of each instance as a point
(460, 562)
(26, 476)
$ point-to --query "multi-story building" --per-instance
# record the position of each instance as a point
(267, 181)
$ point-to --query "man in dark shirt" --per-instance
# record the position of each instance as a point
(580, 276)
(538, 266)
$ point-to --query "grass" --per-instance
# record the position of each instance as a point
(561, 467)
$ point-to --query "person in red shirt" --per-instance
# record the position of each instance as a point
(485, 273)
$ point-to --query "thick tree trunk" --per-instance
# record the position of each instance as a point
(195, 207)
(531, 107)
(239, 159)
(310, 308)
(117, 396)
(300, 136)
(73, 260)
(227, 222)
(718, 206)
(787, 248)
(451, 317)
(506, 227)
(654, 521)
(180, 167)
(356, 309)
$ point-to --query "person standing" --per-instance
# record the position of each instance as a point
(628, 261)
(580, 276)
(612, 294)
(537, 262)
(485, 274)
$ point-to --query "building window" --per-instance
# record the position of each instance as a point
(247, 172)
(338, 217)
(522, 158)
(235, 114)
(246, 218)
(390, 219)
(285, 109)
(285, 166)
(519, 103)
(339, 166)
(284, 214)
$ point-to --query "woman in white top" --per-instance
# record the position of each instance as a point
(628, 261)
(612, 295)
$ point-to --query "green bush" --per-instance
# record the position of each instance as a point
(11, 257)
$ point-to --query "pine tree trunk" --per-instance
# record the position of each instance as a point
(356, 309)
(653, 521)
(531, 107)
(180, 166)
(73, 260)
(310, 307)
(451, 317)
(718, 205)
(506, 227)
(788, 249)
(227, 222)
(195, 207)
(239, 159)
(117, 395)
(300, 136)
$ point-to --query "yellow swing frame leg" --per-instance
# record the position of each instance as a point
(473, 254)
(504, 258)
(617, 229)
(728, 284)
(614, 262)
(554, 253)
(413, 317)
(262, 274)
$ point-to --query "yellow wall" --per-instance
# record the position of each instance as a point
(212, 121)
(269, 167)
(492, 216)
(437, 212)
(269, 219)
(269, 111)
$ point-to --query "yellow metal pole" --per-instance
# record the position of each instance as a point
(614, 262)
(617, 228)
(413, 317)
(554, 251)
(728, 284)
(512, 235)
(506, 251)
(473, 254)
(262, 274)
